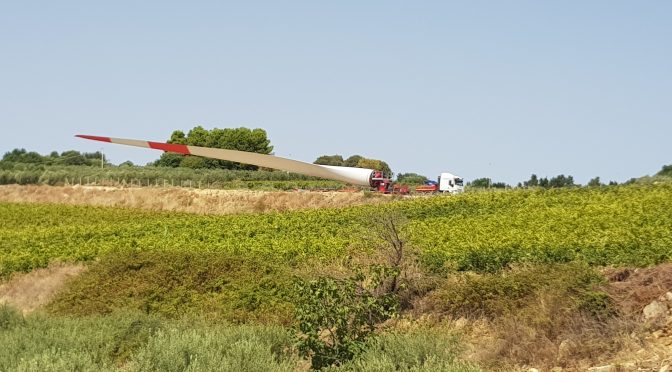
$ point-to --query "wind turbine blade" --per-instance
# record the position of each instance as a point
(355, 176)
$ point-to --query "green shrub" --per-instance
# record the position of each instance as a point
(134, 337)
(59, 344)
(240, 348)
(137, 342)
(9, 317)
(495, 294)
(419, 350)
(175, 284)
(336, 317)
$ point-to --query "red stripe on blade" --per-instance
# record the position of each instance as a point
(182, 149)
(95, 138)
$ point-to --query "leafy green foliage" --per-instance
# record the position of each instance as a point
(353, 160)
(142, 343)
(419, 350)
(356, 161)
(496, 294)
(600, 226)
(53, 343)
(9, 317)
(70, 157)
(666, 171)
(336, 317)
(623, 225)
(411, 178)
(329, 160)
(555, 182)
(233, 348)
(241, 139)
(595, 182)
(375, 164)
(175, 284)
(486, 183)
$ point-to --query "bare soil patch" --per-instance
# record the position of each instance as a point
(29, 291)
(185, 200)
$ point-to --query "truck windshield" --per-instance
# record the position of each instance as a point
(458, 181)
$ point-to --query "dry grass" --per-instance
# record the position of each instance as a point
(30, 291)
(185, 200)
(509, 324)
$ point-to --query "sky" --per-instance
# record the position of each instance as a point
(499, 89)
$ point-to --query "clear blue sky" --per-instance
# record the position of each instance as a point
(500, 88)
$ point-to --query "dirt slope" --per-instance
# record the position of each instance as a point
(29, 291)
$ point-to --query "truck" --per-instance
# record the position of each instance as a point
(447, 182)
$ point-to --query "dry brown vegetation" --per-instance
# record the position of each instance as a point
(546, 330)
(29, 291)
(185, 200)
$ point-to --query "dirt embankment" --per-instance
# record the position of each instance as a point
(185, 200)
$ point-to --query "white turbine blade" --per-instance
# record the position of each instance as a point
(355, 176)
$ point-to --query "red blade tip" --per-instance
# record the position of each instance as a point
(95, 138)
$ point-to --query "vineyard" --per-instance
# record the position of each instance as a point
(522, 267)
(625, 225)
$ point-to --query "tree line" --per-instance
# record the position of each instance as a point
(256, 140)
(535, 181)
(70, 157)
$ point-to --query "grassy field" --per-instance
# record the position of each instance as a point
(136, 342)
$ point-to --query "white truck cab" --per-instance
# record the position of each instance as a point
(451, 183)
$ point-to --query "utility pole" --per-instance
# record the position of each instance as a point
(102, 159)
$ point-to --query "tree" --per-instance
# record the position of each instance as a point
(72, 157)
(484, 183)
(533, 182)
(330, 160)
(561, 181)
(595, 182)
(665, 171)
(23, 156)
(411, 178)
(194, 162)
(355, 161)
(336, 317)
(169, 159)
(241, 139)
(375, 164)
(178, 137)
(352, 161)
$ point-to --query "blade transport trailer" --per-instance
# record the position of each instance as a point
(355, 176)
